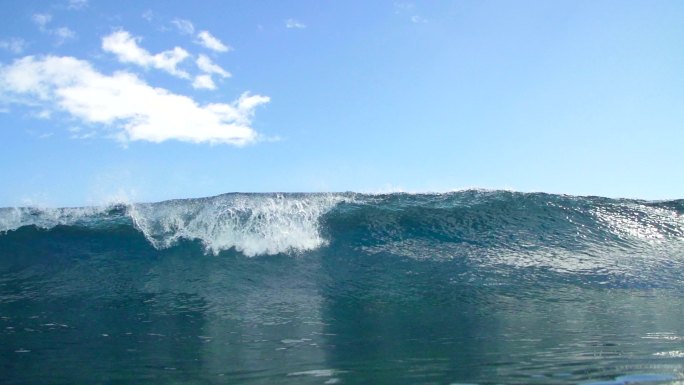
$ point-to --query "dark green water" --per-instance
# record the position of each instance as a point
(471, 287)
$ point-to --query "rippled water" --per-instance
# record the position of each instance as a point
(472, 287)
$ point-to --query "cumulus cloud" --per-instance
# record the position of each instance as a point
(127, 50)
(207, 40)
(184, 26)
(126, 104)
(292, 23)
(13, 44)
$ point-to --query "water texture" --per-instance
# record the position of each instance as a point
(470, 287)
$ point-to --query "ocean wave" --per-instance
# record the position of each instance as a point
(518, 229)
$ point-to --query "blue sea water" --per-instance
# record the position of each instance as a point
(470, 287)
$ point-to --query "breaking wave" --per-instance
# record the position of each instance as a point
(563, 233)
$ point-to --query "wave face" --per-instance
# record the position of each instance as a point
(345, 288)
(563, 234)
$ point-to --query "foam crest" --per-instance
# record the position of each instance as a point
(253, 224)
(12, 218)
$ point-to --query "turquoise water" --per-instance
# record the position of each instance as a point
(472, 287)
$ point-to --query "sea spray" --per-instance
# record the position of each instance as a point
(254, 224)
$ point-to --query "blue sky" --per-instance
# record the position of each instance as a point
(152, 100)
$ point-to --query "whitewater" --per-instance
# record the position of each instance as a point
(468, 287)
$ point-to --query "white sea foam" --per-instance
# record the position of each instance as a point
(253, 224)
(317, 373)
(12, 218)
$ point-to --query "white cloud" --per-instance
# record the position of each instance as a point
(13, 44)
(44, 114)
(133, 109)
(62, 33)
(184, 26)
(127, 50)
(77, 4)
(204, 82)
(78, 133)
(209, 68)
(148, 15)
(209, 41)
(292, 23)
(401, 7)
(205, 64)
(42, 20)
(418, 19)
